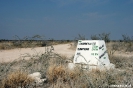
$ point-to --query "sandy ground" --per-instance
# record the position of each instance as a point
(62, 49)
(17, 54)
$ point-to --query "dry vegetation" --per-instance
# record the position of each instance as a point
(29, 42)
(17, 79)
(54, 67)
(6, 45)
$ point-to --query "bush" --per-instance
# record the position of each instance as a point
(17, 79)
(102, 36)
(55, 72)
(59, 77)
(128, 43)
(126, 38)
(95, 37)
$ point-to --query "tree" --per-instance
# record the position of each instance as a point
(102, 36)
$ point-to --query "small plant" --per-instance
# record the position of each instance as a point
(55, 72)
(112, 49)
(126, 38)
(17, 79)
(128, 43)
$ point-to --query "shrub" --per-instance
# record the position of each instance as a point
(79, 37)
(102, 36)
(17, 79)
(95, 37)
(128, 43)
(55, 72)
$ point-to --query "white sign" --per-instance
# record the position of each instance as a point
(92, 52)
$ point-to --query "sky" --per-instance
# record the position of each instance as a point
(65, 19)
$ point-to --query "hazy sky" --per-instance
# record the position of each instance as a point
(65, 19)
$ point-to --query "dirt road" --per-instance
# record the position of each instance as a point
(13, 54)
(26, 53)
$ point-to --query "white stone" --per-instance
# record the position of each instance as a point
(71, 66)
(37, 77)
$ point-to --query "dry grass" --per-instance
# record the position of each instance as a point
(59, 76)
(55, 72)
(54, 67)
(17, 79)
(5, 45)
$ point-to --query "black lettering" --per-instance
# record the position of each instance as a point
(102, 55)
(79, 48)
(83, 44)
(94, 43)
(101, 47)
(78, 53)
(83, 48)
(89, 43)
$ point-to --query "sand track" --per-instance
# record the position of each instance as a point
(17, 54)
(62, 49)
